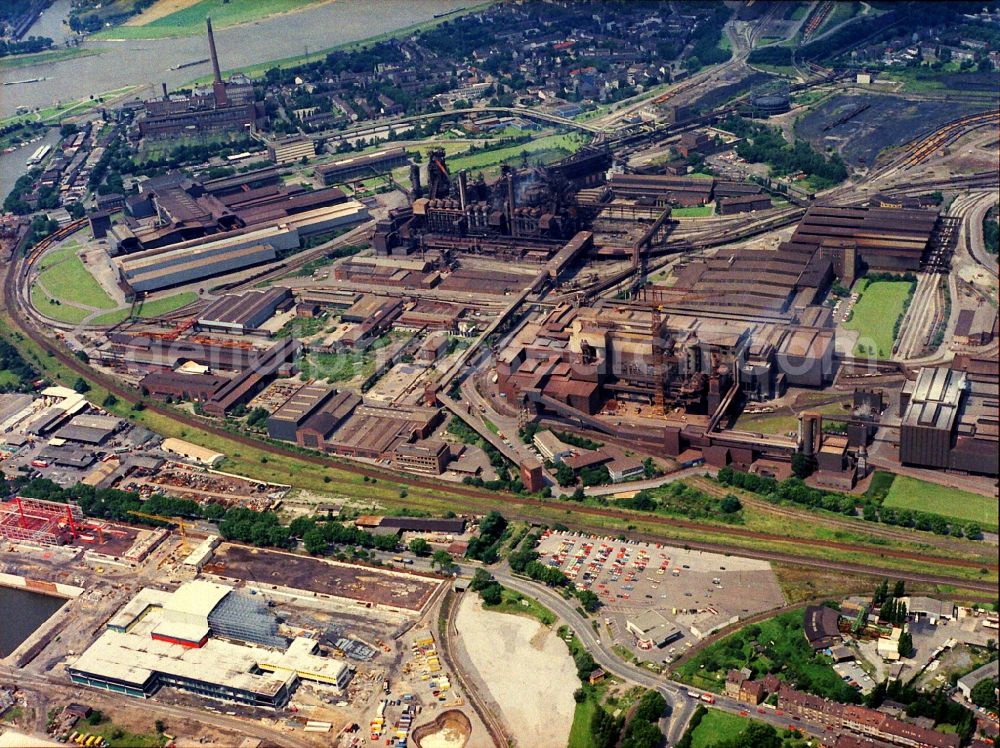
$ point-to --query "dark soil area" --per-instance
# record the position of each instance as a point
(889, 121)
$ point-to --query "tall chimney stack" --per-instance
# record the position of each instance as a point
(165, 96)
(511, 203)
(218, 87)
(462, 188)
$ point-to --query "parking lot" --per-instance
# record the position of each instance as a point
(696, 591)
(854, 676)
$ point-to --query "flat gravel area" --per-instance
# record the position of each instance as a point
(525, 667)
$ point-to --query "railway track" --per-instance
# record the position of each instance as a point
(477, 500)
(803, 515)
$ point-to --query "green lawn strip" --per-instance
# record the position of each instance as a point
(66, 278)
(875, 314)
(911, 493)
(190, 21)
(9, 378)
(696, 211)
(567, 143)
(153, 308)
(521, 605)
(717, 726)
(59, 312)
(580, 735)
(39, 58)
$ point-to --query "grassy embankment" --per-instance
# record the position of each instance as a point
(40, 58)
(190, 21)
(911, 493)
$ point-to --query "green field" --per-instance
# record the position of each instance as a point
(717, 726)
(190, 21)
(874, 317)
(910, 493)
(60, 312)
(548, 148)
(66, 278)
(696, 211)
(153, 308)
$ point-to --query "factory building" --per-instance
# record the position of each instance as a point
(195, 259)
(949, 417)
(367, 165)
(225, 107)
(890, 239)
(291, 150)
(242, 313)
(207, 639)
(429, 457)
(275, 361)
(729, 206)
(296, 410)
(663, 190)
(176, 385)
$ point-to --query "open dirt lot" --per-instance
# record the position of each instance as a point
(364, 584)
(526, 668)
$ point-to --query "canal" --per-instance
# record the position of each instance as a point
(21, 613)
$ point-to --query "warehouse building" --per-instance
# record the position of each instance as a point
(368, 165)
(729, 206)
(241, 313)
(296, 410)
(664, 190)
(652, 629)
(317, 431)
(890, 239)
(262, 369)
(949, 417)
(173, 639)
(180, 386)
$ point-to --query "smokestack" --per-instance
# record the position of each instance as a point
(511, 205)
(217, 86)
(415, 181)
(165, 96)
(463, 186)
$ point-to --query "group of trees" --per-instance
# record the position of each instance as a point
(764, 144)
(793, 489)
(677, 498)
(11, 361)
(485, 546)
(24, 46)
(320, 538)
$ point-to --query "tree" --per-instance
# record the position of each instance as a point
(899, 589)
(81, 386)
(160, 726)
(480, 580)
(984, 693)
(730, 504)
(315, 541)
(802, 465)
(565, 475)
(492, 594)
(442, 560)
(420, 547)
(905, 644)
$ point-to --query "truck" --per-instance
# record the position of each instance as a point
(385, 685)
(39, 463)
(708, 698)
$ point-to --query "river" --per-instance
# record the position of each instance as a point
(21, 613)
(147, 62)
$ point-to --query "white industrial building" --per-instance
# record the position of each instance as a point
(205, 638)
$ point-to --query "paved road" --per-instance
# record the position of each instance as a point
(680, 705)
(640, 485)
